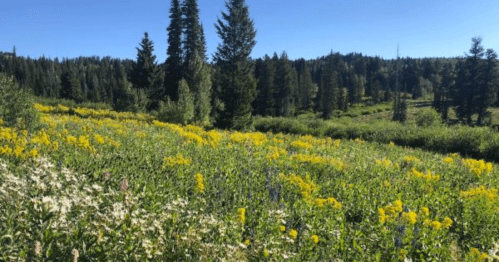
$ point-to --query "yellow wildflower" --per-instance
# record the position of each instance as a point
(199, 183)
(387, 184)
(382, 216)
(266, 253)
(241, 214)
(447, 222)
(436, 225)
(402, 254)
(293, 234)
(410, 217)
(315, 239)
(425, 211)
(448, 160)
(247, 242)
(282, 228)
(398, 205)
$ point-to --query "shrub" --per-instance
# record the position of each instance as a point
(428, 117)
(16, 106)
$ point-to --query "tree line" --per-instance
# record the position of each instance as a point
(233, 87)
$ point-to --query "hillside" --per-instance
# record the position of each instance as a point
(121, 186)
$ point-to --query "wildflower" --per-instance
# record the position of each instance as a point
(75, 255)
(282, 228)
(124, 185)
(391, 144)
(425, 211)
(247, 242)
(266, 253)
(448, 160)
(382, 216)
(447, 222)
(38, 249)
(199, 183)
(410, 217)
(241, 214)
(315, 239)
(398, 205)
(436, 225)
(293, 234)
(387, 184)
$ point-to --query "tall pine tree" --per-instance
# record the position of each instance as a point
(174, 60)
(145, 74)
(237, 82)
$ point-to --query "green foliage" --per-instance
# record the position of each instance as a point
(428, 117)
(200, 85)
(129, 99)
(181, 111)
(174, 61)
(236, 80)
(16, 106)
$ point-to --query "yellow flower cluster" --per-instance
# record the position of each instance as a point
(254, 139)
(82, 142)
(428, 176)
(275, 152)
(475, 253)
(448, 160)
(175, 161)
(15, 145)
(477, 167)
(306, 188)
(316, 159)
(199, 183)
(410, 217)
(293, 234)
(387, 163)
(330, 201)
(436, 225)
(390, 212)
(480, 191)
(411, 159)
(314, 239)
(301, 144)
(241, 215)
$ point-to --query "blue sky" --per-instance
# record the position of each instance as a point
(308, 29)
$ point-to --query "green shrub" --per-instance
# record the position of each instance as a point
(428, 117)
(16, 106)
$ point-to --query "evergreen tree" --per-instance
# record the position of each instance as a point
(185, 103)
(305, 88)
(174, 60)
(200, 84)
(285, 86)
(475, 67)
(238, 84)
(488, 87)
(126, 98)
(447, 85)
(194, 40)
(145, 74)
(330, 95)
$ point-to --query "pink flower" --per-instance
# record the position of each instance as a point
(124, 185)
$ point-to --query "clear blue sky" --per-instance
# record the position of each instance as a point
(307, 29)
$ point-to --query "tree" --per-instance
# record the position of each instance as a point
(174, 60)
(285, 86)
(194, 41)
(475, 67)
(330, 95)
(238, 84)
(200, 84)
(488, 87)
(145, 74)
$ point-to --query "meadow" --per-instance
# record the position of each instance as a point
(98, 185)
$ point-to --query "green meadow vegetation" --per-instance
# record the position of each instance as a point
(101, 185)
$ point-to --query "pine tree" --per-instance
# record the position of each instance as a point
(145, 74)
(285, 86)
(238, 84)
(185, 103)
(488, 87)
(174, 60)
(475, 66)
(200, 84)
(330, 95)
(194, 40)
